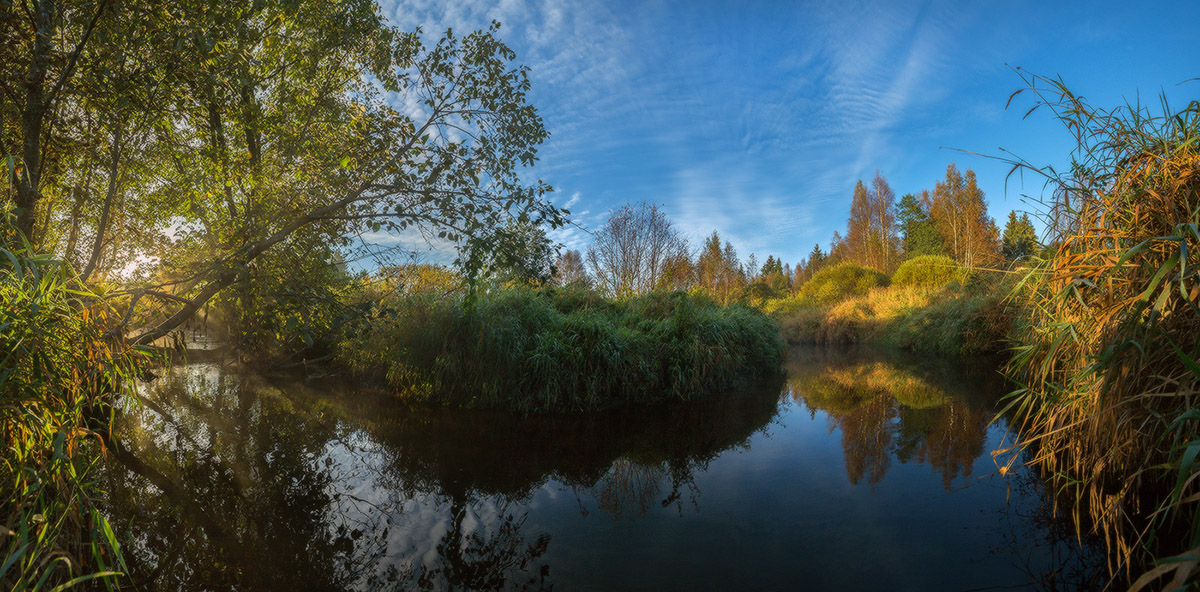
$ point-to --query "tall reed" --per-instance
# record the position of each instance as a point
(57, 369)
(562, 350)
(1108, 366)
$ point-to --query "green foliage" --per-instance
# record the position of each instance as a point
(772, 266)
(57, 370)
(840, 282)
(957, 319)
(974, 319)
(929, 271)
(1108, 367)
(245, 129)
(562, 350)
(519, 252)
(917, 232)
(301, 301)
(758, 292)
(1020, 240)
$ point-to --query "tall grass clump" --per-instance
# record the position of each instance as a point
(532, 350)
(929, 271)
(1109, 367)
(976, 317)
(829, 286)
(57, 369)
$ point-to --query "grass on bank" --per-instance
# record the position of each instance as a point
(538, 350)
(930, 304)
(1110, 361)
(57, 371)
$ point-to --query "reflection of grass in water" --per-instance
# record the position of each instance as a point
(840, 390)
(209, 450)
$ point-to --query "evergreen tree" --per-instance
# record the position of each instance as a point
(1020, 239)
(918, 235)
(772, 266)
(805, 269)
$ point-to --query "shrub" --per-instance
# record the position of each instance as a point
(58, 368)
(929, 271)
(961, 319)
(1109, 367)
(534, 350)
(840, 282)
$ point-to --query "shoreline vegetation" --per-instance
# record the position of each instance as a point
(560, 350)
(57, 375)
(252, 229)
(931, 304)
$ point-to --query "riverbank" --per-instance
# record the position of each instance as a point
(58, 373)
(560, 350)
(948, 311)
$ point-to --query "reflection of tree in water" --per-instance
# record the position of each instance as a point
(227, 482)
(867, 438)
(212, 489)
(497, 557)
(895, 408)
(629, 487)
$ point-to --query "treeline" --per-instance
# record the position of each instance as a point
(951, 220)
(638, 250)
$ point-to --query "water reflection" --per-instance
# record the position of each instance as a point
(227, 480)
(890, 406)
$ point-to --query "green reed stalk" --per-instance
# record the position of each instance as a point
(1107, 363)
(57, 372)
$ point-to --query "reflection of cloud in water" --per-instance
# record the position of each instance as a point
(229, 480)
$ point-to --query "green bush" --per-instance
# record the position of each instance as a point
(562, 350)
(58, 369)
(929, 271)
(839, 282)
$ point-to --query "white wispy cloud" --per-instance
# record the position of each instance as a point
(752, 122)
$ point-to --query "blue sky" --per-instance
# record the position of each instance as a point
(756, 118)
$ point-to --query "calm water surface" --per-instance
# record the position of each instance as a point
(858, 470)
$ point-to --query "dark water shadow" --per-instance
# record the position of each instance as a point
(226, 480)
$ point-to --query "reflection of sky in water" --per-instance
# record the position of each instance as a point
(833, 484)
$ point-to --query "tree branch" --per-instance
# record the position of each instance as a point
(74, 59)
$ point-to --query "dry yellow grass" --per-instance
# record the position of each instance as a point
(1109, 406)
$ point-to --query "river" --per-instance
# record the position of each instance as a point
(855, 470)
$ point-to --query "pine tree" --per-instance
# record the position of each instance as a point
(805, 269)
(771, 267)
(1020, 239)
(919, 237)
